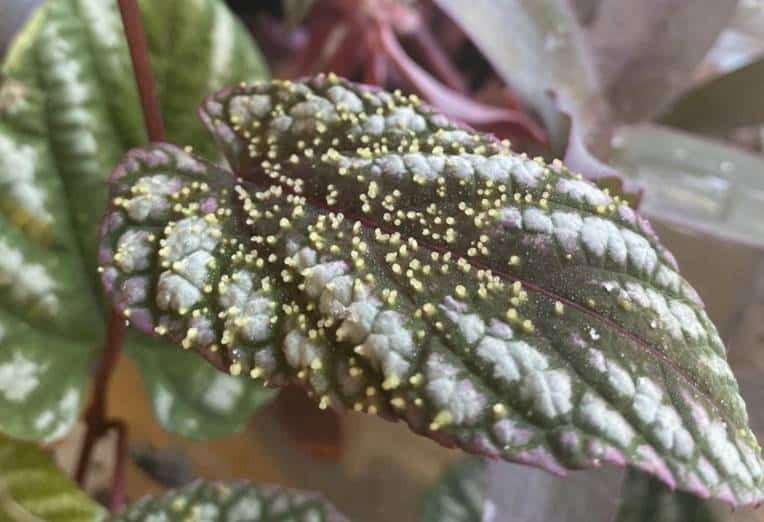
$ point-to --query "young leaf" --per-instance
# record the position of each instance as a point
(211, 501)
(396, 263)
(68, 111)
(458, 495)
(33, 489)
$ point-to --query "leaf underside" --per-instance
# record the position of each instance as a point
(32, 488)
(232, 503)
(395, 263)
(68, 112)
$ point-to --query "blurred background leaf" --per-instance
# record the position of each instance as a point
(458, 495)
(647, 49)
(213, 501)
(32, 489)
(644, 498)
(515, 492)
(694, 182)
(68, 111)
(296, 10)
(193, 399)
(721, 104)
(538, 49)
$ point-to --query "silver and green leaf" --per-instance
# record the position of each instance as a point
(33, 489)
(68, 112)
(396, 263)
(243, 502)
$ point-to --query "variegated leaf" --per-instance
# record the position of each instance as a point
(32, 489)
(68, 112)
(396, 263)
(217, 502)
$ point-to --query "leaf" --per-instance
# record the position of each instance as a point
(504, 122)
(194, 399)
(231, 503)
(694, 182)
(513, 493)
(296, 10)
(33, 489)
(458, 494)
(394, 263)
(721, 104)
(68, 111)
(645, 498)
(537, 48)
(644, 65)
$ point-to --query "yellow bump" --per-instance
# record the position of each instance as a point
(528, 326)
(443, 418)
(235, 369)
(461, 292)
(398, 402)
(391, 382)
(559, 308)
(256, 372)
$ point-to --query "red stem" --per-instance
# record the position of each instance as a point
(97, 422)
(139, 54)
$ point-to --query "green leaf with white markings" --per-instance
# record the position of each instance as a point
(395, 263)
(68, 112)
(192, 397)
(33, 489)
(212, 501)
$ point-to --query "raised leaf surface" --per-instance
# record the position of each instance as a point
(215, 502)
(33, 489)
(68, 111)
(395, 263)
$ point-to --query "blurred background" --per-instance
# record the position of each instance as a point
(682, 136)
